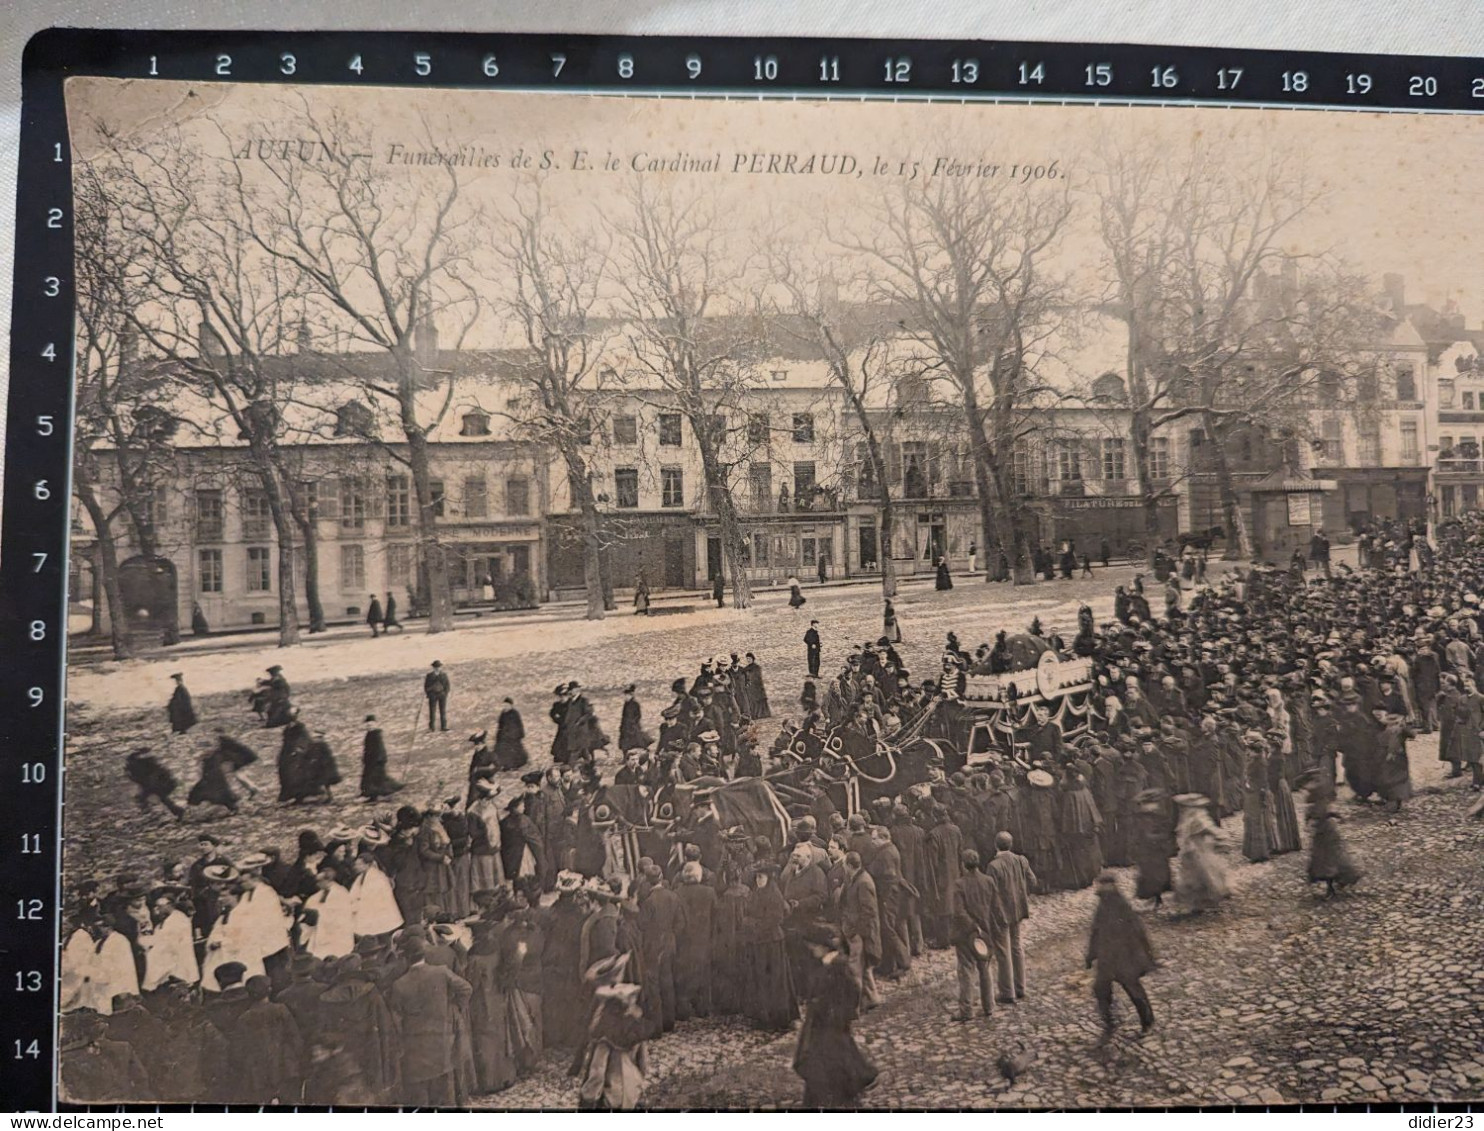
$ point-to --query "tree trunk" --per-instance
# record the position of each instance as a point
(108, 562)
(309, 530)
(888, 515)
(440, 597)
(283, 526)
(725, 507)
(593, 578)
(1238, 542)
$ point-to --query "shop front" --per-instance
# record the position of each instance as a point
(1362, 494)
(1089, 520)
(496, 562)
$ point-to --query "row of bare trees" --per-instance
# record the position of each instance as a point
(219, 267)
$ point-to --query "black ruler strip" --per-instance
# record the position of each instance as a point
(783, 66)
(33, 595)
(35, 528)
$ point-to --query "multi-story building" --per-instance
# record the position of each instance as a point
(212, 522)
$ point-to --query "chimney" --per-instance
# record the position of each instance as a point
(1395, 287)
(425, 343)
(302, 338)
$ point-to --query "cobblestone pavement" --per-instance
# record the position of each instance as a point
(1282, 996)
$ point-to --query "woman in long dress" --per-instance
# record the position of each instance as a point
(834, 1069)
(1259, 823)
(796, 596)
(1081, 825)
(1152, 846)
(757, 694)
(1330, 862)
(944, 579)
(891, 628)
(769, 998)
(1200, 884)
(489, 1015)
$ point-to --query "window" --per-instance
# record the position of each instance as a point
(1020, 470)
(1113, 466)
(1445, 446)
(803, 428)
(257, 518)
(352, 504)
(435, 488)
(1468, 401)
(398, 501)
(155, 510)
(209, 571)
(718, 426)
(626, 430)
(1368, 387)
(1406, 382)
(517, 495)
(1410, 450)
(866, 485)
(208, 516)
(626, 487)
(779, 374)
(672, 487)
(758, 428)
(1332, 441)
(1446, 396)
(1159, 457)
(352, 568)
(670, 429)
(476, 497)
(475, 424)
(399, 564)
(760, 485)
(803, 482)
(259, 575)
(1370, 446)
(761, 544)
(915, 469)
(1069, 461)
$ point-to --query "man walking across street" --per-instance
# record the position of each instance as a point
(1319, 551)
(1119, 948)
(436, 688)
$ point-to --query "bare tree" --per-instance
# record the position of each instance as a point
(860, 365)
(554, 284)
(216, 311)
(1220, 329)
(677, 277)
(385, 257)
(967, 262)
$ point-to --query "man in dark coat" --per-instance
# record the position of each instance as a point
(1119, 947)
(427, 1002)
(390, 621)
(812, 649)
(910, 839)
(661, 922)
(376, 783)
(718, 589)
(267, 1050)
(942, 848)
(860, 926)
(693, 947)
(278, 709)
(181, 711)
(153, 780)
(885, 867)
(374, 617)
(978, 918)
(436, 688)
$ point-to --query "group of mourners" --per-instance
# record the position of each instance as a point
(440, 952)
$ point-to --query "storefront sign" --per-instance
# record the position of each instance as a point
(1114, 503)
(1300, 509)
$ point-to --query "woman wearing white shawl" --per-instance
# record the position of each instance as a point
(329, 918)
(169, 950)
(373, 905)
(1200, 882)
(260, 916)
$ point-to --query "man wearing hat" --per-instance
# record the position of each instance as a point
(376, 783)
(978, 918)
(436, 688)
(153, 779)
(813, 650)
(277, 708)
(1118, 946)
(428, 1002)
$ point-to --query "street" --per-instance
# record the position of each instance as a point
(1280, 997)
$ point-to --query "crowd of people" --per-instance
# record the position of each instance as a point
(438, 951)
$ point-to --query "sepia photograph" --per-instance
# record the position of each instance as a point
(602, 603)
